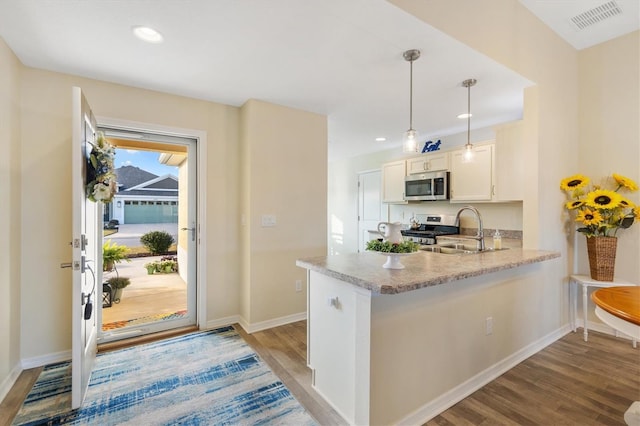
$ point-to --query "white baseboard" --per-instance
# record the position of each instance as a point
(263, 325)
(457, 394)
(39, 361)
(8, 383)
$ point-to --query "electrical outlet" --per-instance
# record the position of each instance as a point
(488, 323)
(298, 285)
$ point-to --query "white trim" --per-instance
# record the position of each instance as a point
(460, 392)
(9, 381)
(201, 147)
(42, 360)
(276, 322)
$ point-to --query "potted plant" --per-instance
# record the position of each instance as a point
(113, 253)
(601, 210)
(117, 284)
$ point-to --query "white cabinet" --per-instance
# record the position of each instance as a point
(472, 180)
(496, 172)
(428, 163)
(393, 181)
(509, 156)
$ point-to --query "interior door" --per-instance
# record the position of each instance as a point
(371, 209)
(86, 264)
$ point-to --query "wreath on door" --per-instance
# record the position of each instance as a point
(100, 176)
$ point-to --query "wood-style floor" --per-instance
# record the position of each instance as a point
(571, 382)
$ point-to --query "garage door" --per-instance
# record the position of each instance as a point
(150, 212)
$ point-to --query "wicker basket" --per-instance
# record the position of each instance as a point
(602, 257)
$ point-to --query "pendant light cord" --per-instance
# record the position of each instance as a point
(469, 114)
(411, 94)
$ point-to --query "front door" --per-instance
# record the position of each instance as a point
(156, 302)
(86, 263)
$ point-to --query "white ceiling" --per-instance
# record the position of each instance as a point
(606, 19)
(342, 58)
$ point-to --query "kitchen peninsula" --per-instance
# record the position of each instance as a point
(396, 346)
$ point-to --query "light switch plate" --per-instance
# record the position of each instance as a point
(268, 220)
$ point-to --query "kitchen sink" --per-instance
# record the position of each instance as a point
(456, 248)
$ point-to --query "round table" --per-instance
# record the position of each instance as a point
(619, 308)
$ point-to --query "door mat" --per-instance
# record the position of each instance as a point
(203, 378)
(144, 320)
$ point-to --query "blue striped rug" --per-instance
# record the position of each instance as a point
(204, 378)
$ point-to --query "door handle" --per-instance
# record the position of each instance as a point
(193, 232)
(74, 265)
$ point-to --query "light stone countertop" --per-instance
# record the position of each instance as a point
(422, 269)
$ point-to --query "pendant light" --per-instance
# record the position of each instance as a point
(468, 148)
(410, 137)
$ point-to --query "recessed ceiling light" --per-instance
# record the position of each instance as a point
(465, 115)
(147, 34)
(381, 139)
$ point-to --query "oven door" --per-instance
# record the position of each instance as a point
(418, 188)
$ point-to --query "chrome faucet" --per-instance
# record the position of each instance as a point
(480, 236)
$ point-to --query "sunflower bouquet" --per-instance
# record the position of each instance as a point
(601, 211)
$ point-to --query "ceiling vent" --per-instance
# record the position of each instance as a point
(597, 14)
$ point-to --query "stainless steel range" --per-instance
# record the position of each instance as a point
(434, 225)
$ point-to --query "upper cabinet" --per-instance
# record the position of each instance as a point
(509, 157)
(472, 180)
(428, 163)
(496, 171)
(393, 181)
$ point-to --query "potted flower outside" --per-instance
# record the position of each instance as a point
(113, 253)
(117, 284)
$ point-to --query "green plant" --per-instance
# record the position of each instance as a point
(387, 247)
(118, 282)
(157, 242)
(162, 266)
(113, 253)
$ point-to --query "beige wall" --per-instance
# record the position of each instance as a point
(285, 173)
(610, 132)
(10, 220)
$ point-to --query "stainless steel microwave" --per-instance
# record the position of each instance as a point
(427, 186)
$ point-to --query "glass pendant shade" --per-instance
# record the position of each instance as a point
(410, 141)
(468, 153)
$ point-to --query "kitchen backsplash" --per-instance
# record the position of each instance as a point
(502, 216)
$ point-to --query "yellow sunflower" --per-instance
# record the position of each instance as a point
(574, 204)
(603, 199)
(574, 182)
(625, 182)
(589, 217)
(636, 212)
(626, 203)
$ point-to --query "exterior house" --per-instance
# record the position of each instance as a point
(143, 197)
(580, 116)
